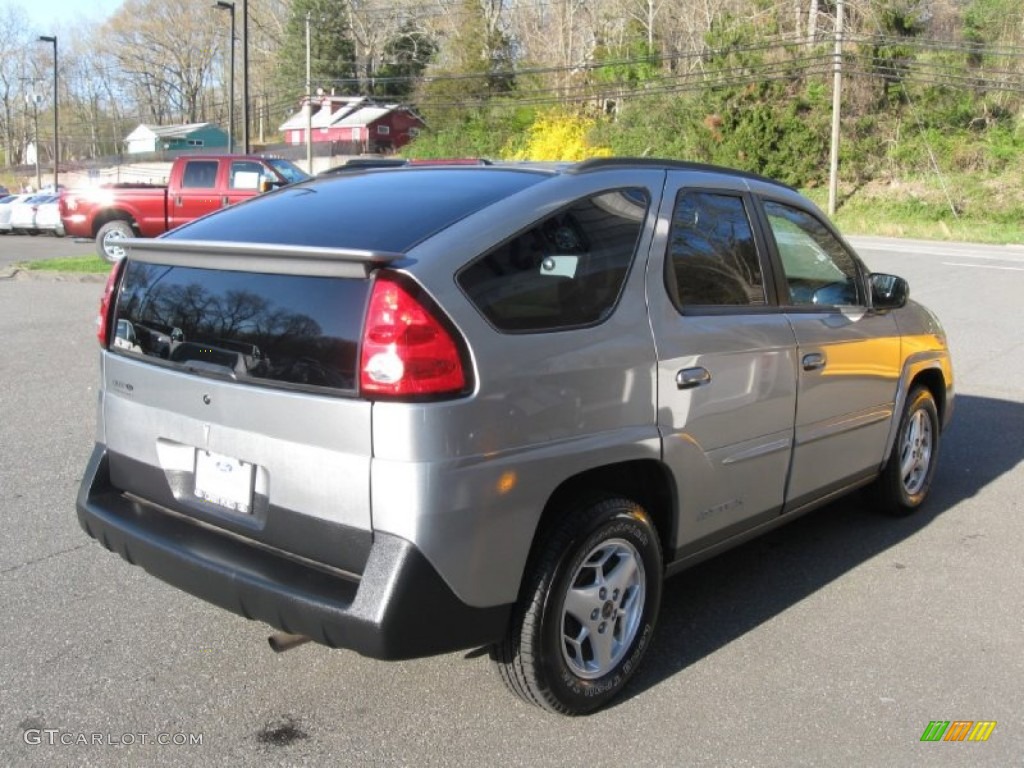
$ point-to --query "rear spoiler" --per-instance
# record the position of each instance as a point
(258, 257)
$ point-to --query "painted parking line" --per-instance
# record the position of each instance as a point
(981, 266)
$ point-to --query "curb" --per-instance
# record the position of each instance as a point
(49, 276)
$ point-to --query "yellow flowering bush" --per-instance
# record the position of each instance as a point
(556, 136)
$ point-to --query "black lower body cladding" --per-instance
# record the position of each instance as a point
(398, 608)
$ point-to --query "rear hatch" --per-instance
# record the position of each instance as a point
(230, 384)
(234, 389)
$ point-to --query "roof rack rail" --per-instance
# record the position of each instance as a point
(599, 163)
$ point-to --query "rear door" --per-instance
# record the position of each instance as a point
(196, 192)
(849, 355)
(726, 362)
(229, 396)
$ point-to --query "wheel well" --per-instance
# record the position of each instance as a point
(645, 481)
(108, 216)
(933, 381)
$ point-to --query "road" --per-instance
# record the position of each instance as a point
(831, 642)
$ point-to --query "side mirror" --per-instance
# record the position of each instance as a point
(888, 291)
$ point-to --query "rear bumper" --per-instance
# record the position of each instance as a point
(398, 608)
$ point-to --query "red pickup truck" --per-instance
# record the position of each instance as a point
(197, 185)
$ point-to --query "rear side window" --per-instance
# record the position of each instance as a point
(285, 330)
(712, 253)
(199, 174)
(566, 271)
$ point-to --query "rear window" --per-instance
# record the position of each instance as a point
(382, 210)
(279, 330)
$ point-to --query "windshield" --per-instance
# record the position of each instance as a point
(291, 172)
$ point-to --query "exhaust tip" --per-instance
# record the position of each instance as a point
(282, 641)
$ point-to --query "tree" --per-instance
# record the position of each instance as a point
(406, 57)
(166, 53)
(13, 68)
(332, 50)
(474, 62)
(899, 21)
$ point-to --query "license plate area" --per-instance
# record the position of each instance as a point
(224, 481)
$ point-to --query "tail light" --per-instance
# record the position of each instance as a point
(407, 349)
(103, 319)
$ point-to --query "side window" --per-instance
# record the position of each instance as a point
(566, 271)
(245, 174)
(199, 174)
(712, 257)
(819, 270)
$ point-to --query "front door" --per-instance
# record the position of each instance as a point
(245, 179)
(726, 366)
(849, 356)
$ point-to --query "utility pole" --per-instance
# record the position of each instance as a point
(837, 90)
(33, 99)
(245, 76)
(309, 100)
(56, 135)
(225, 5)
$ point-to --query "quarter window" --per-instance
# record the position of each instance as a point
(713, 257)
(566, 271)
(819, 269)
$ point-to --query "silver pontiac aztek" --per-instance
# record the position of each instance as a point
(407, 411)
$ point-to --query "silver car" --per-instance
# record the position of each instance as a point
(407, 411)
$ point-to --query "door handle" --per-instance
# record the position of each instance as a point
(689, 378)
(224, 201)
(813, 361)
(177, 201)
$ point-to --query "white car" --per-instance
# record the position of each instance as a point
(48, 217)
(6, 206)
(23, 213)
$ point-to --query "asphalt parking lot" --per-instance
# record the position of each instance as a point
(831, 642)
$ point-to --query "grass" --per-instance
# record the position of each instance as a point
(78, 264)
(969, 207)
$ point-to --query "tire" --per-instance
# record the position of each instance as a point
(587, 610)
(907, 476)
(107, 237)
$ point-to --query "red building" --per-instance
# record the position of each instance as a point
(356, 124)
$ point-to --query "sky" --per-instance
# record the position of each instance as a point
(47, 15)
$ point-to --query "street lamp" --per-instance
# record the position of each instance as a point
(224, 5)
(56, 144)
